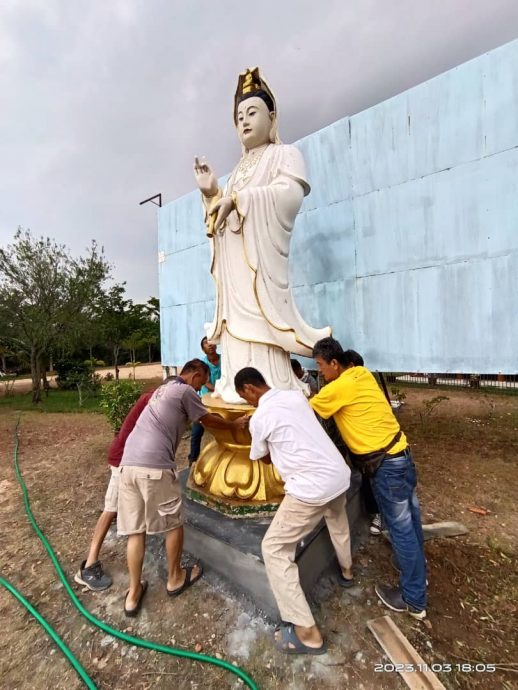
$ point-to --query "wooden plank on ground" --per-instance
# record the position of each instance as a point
(403, 655)
(440, 529)
(444, 529)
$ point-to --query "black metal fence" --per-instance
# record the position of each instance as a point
(488, 382)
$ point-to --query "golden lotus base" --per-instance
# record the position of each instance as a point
(224, 474)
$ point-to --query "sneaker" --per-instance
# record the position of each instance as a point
(93, 577)
(420, 614)
(376, 525)
(391, 597)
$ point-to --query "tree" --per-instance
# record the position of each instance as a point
(114, 321)
(150, 328)
(46, 296)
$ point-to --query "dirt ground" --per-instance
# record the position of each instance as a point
(466, 456)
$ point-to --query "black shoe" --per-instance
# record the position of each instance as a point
(392, 598)
(93, 577)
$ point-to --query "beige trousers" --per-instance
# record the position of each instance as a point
(293, 521)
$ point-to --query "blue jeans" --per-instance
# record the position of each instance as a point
(196, 436)
(394, 486)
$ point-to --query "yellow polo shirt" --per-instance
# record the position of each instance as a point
(361, 412)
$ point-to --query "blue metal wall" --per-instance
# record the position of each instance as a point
(408, 243)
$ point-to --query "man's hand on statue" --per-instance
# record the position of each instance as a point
(242, 422)
(222, 208)
(205, 177)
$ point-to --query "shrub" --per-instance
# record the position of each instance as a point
(94, 363)
(109, 376)
(72, 375)
(117, 399)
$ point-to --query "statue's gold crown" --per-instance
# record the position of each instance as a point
(248, 82)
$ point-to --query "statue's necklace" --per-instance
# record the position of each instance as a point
(248, 163)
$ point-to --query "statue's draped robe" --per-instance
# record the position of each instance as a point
(256, 320)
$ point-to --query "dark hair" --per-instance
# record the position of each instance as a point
(353, 357)
(195, 365)
(203, 340)
(296, 365)
(263, 96)
(248, 375)
(329, 349)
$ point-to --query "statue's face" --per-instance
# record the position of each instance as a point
(253, 122)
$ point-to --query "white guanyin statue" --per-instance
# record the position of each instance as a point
(250, 222)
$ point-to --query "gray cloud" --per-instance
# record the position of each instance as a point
(104, 103)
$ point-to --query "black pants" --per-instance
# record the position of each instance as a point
(369, 501)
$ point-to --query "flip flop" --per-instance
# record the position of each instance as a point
(187, 582)
(131, 613)
(345, 581)
(289, 637)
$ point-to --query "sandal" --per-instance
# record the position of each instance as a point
(131, 613)
(345, 581)
(289, 643)
(187, 582)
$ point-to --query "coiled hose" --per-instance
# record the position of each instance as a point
(130, 639)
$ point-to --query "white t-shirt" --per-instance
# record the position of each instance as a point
(311, 467)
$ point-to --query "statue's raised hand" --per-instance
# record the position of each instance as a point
(205, 177)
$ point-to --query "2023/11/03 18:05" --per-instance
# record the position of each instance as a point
(435, 668)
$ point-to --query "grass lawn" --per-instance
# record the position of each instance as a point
(56, 401)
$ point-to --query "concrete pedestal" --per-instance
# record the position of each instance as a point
(232, 548)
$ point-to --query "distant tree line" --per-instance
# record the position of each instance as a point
(54, 306)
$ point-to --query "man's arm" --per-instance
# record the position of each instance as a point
(217, 422)
(326, 402)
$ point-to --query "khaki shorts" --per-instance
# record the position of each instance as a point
(150, 501)
(111, 499)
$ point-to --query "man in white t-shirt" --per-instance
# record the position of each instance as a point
(286, 433)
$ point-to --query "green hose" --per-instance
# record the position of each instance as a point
(137, 641)
(53, 634)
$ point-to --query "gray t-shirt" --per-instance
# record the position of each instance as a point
(160, 427)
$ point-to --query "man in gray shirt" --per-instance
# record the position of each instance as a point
(150, 500)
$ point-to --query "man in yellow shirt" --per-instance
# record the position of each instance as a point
(379, 447)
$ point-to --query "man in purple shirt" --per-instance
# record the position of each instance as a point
(150, 500)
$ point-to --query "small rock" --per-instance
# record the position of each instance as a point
(198, 647)
(107, 639)
(358, 656)
(243, 620)
(428, 644)
(219, 656)
(213, 636)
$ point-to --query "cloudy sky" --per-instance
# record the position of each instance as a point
(105, 102)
